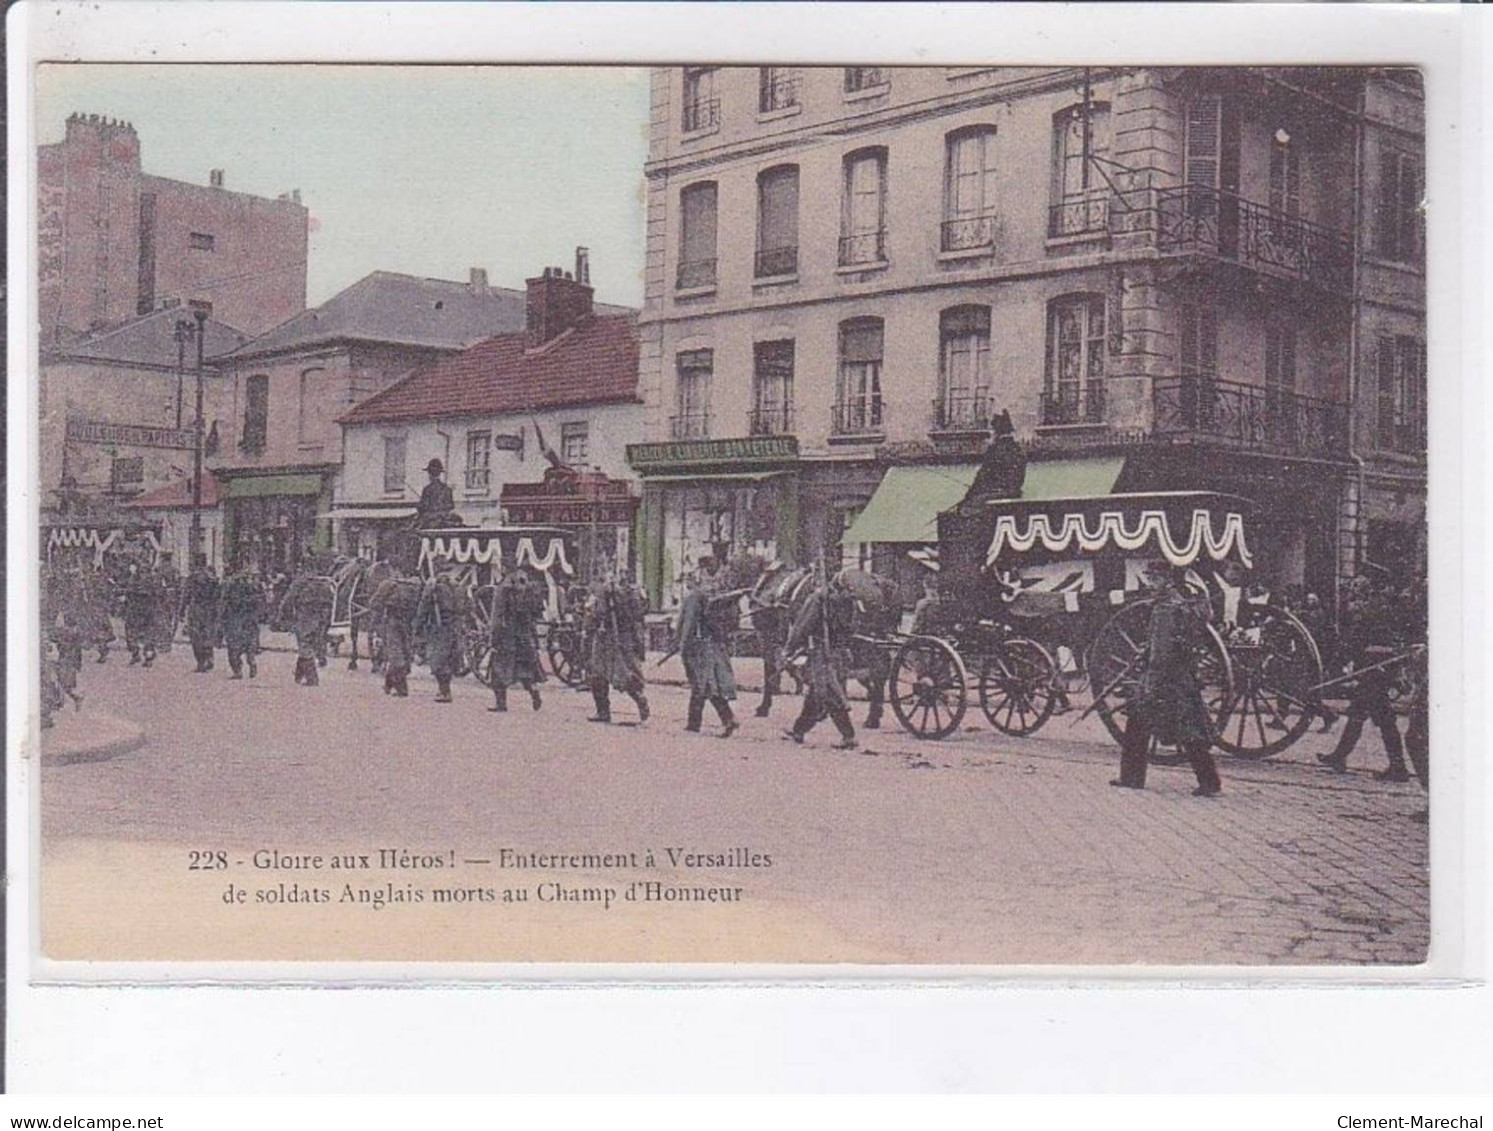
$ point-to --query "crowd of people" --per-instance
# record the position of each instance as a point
(1374, 652)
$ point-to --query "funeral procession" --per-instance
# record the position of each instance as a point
(1001, 487)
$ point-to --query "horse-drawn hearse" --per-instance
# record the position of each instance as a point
(1067, 575)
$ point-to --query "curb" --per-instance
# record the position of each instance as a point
(127, 737)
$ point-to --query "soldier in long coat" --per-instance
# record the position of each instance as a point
(823, 630)
(307, 608)
(439, 621)
(616, 628)
(139, 601)
(199, 599)
(1375, 630)
(68, 638)
(241, 605)
(1169, 705)
(703, 629)
(394, 603)
(94, 613)
(517, 606)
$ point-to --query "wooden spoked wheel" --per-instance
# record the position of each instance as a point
(1018, 687)
(928, 687)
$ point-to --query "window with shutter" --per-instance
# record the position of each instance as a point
(256, 413)
(697, 209)
(1199, 353)
(1386, 357)
(863, 208)
(693, 371)
(1202, 141)
(777, 221)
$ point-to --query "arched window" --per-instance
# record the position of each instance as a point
(969, 189)
(964, 368)
(1081, 143)
(1076, 346)
(777, 221)
(858, 393)
(697, 210)
(310, 415)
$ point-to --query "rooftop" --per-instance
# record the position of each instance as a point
(151, 340)
(595, 362)
(389, 307)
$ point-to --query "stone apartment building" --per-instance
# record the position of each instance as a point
(531, 426)
(115, 242)
(1170, 278)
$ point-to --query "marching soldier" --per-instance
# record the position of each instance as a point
(307, 608)
(616, 629)
(240, 609)
(94, 612)
(438, 622)
(770, 622)
(823, 630)
(1169, 706)
(394, 603)
(138, 600)
(704, 629)
(199, 600)
(517, 606)
(68, 638)
(1372, 634)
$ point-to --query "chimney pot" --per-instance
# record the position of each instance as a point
(215, 178)
(583, 265)
(295, 195)
(477, 280)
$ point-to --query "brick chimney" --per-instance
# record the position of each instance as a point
(477, 281)
(215, 178)
(555, 302)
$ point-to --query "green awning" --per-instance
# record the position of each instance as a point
(1071, 478)
(907, 503)
(716, 477)
(261, 486)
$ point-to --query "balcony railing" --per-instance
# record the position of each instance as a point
(1074, 404)
(863, 247)
(776, 261)
(967, 233)
(772, 420)
(690, 426)
(780, 93)
(695, 273)
(701, 114)
(864, 78)
(957, 412)
(858, 416)
(1203, 219)
(1255, 417)
(1079, 216)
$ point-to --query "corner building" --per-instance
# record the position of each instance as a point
(1169, 278)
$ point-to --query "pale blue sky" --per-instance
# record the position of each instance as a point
(426, 170)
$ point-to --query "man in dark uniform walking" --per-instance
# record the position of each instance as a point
(199, 609)
(704, 628)
(138, 606)
(307, 607)
(517, 606)
(1169, 704)
(394, 604)
(438, 622)
(823, 630)
(616, 629)
(1372, 634)
(241, 604)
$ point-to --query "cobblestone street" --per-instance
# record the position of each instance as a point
(979, 849)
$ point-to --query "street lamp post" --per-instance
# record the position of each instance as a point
(195, 542)
(183, 332)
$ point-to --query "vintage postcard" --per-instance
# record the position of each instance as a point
(874, 516)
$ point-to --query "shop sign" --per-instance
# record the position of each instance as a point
(505, 442)
(743, 449)
(568, 512)
(129, 435)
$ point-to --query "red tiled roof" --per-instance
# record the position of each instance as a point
(593, 363)
(177, 493)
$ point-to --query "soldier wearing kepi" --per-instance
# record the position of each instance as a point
(138, 606)
(307, 606)
(1169, 705)
(616, 629)
(704, 628)
(517, 606)
(438, 621)
(241, 604)
(199, 600)
(394, 603)
(823, 630)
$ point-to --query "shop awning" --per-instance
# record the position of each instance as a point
(369, 512)
(1071, 478)
(717, 477)
(263, 486)
(907, 503)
